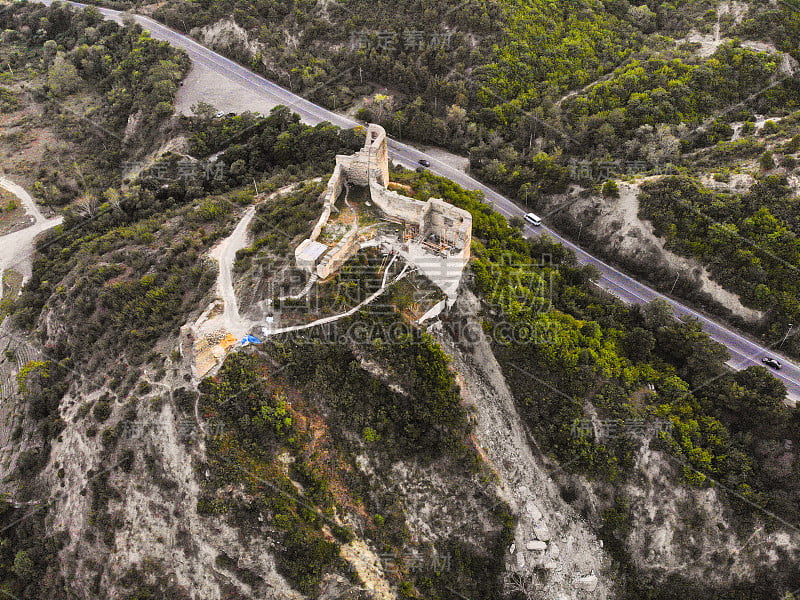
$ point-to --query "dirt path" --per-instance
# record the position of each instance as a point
(16, 249)
(30, 206)
(225, 254)
(585, 88)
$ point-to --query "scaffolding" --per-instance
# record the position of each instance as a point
(440, 244)
(410, 232)
(443, 244)
(436, 244)
(393, 220)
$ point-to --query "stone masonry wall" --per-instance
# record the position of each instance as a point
(335, 185)
(370, 166)
(450, 223)
(397, 205)
(339, 254)
(371, 162)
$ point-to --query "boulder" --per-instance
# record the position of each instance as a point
(533, 511)
(536, 545)
(587, 582)
(541, 532)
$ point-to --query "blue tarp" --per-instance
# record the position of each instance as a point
(250, 339)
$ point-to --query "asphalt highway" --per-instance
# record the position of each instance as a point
(744, 351)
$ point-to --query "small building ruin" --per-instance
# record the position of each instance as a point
(436, 235)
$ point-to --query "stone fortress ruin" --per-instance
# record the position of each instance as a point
(431, 239)
(433, 236)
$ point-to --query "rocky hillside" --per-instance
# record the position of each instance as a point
(517, 447)
(537, 440)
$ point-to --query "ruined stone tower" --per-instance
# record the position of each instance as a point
(371, 161)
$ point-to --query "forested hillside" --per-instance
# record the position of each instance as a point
(485, 75)
(100, 91)
(539, 95)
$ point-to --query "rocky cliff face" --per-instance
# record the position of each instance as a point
(231, 39)
(614, 226)
(551, 538)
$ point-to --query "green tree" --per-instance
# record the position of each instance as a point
(50, 51)
(766, 161)
(62, 77)
(23, 566)
(769, 128)
(611, 189)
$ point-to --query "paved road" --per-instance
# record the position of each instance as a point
(744, 352)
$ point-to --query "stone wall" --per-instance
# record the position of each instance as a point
(370, 167)
(379, 152)
(450, 223)
(356, 167)
(335, 185)
(435, 216)
(371, 162)
(339, 254)
(396, 205)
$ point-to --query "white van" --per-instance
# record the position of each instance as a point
(533, 219)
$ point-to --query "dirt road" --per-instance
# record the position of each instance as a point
(225, 254)
(16, 248)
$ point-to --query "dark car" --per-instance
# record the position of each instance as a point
(771, 362)
(424, 163)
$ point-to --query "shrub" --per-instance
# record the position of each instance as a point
(766, 161)
(611, 189)
(102, 410)
(769, 128)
